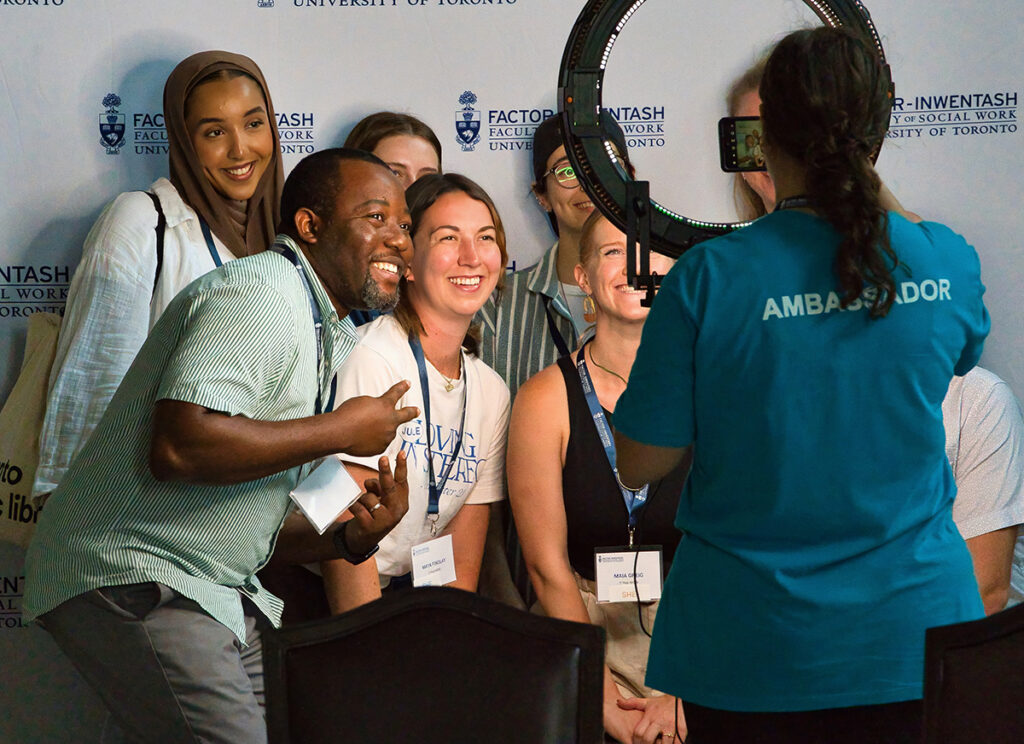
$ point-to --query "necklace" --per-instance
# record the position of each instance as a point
(601, 366)
(451, 382)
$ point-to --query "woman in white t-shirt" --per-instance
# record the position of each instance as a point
(458, 441)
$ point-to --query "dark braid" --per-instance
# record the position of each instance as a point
(826, 100)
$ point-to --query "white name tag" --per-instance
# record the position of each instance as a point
(325, 493)
(433, 562)
(628, 575)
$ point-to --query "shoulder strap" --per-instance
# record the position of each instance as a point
(161, 227)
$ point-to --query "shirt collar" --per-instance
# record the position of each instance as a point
(327, 309)
(543, 277)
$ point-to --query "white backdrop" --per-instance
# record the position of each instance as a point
(956, 153)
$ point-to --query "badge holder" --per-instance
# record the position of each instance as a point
(325, 493)
(433, 562)
(628, 573)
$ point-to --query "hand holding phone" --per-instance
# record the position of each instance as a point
(739, 144)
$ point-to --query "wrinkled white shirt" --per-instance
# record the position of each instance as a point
(110, 309)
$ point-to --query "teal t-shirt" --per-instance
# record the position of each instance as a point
(819, 541)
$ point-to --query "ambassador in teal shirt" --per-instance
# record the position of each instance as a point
(804, 359)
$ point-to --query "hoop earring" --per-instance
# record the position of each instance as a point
(589, 309)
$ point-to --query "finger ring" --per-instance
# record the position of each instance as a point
(668, 735)
(376, 506)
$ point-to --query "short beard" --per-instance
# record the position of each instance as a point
(376, 298)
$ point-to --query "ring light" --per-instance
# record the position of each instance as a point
(622, 200)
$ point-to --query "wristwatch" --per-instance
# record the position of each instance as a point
(342, 547)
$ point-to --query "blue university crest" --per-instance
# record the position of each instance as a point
(112, 124)
(264, 3)
(467, 122)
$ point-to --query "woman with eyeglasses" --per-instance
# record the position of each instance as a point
(540, 314)
(803, 361)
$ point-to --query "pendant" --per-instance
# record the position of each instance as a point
(448, 385)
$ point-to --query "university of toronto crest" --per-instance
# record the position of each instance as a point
(467, 122)
(112, 124)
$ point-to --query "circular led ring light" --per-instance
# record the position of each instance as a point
(589, 150)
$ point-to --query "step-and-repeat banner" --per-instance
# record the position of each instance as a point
(69, 67)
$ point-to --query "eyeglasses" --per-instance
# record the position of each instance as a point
(565, 176)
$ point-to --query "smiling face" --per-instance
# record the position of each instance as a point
(457, 261)
(360, 251)
(749, 104)
(571, 206)
(231, 134)
(410, 157)
(602, 275)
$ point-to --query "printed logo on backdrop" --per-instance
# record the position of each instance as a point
(954, 115)
(264, 3)
(513, 128)
(112, 124)
(25, 290)
(467, 122)
(54, 3)
(12, 588)
(295, 129)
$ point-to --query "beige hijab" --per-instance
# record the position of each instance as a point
(262, 212)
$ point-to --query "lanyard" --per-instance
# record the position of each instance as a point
(209, 243)
(318, 325)
(792, 202)
(435, 486)
(556, 336)
(634, 500)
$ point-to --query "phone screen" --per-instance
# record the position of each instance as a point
(739, 141)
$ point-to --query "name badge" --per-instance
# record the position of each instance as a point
(325, 493)
(433, 562)
(625, 575)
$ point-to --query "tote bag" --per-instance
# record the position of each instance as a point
(20, 422)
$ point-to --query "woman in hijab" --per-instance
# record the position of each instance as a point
(220, 202)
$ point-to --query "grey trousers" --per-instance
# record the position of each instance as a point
(167, 671)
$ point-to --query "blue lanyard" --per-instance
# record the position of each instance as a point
(318, 325)
(435, 486)
(209, 243)
(635, 500)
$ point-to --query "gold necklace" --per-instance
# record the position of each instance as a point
(591, 349)
(451, 382)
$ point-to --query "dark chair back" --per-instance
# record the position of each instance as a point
(434, 665)
(974, 681)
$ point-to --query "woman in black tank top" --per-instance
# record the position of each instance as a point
(563, 491)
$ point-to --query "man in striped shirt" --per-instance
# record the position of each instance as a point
(144, 564)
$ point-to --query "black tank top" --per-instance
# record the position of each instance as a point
(596, 515)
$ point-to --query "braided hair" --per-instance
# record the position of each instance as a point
(826, 99)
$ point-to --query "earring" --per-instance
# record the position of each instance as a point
(589, 309)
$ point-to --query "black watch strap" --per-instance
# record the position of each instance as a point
(342, 547)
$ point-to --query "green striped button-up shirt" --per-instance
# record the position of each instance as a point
(238, 340)
(515, 338)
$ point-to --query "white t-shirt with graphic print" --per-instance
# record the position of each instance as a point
(382, 358)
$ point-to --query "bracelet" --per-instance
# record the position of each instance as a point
(341, 545)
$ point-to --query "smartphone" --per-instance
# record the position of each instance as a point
(739, 144)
